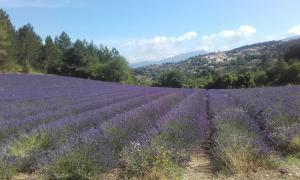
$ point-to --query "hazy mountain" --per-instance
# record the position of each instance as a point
(291, 38)
(174, 59)
(242, 58)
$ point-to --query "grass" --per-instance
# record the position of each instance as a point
(115, 134)
(152, 161)
(294, 145)
(78, 164)
(292, 159)
(234, 151)
(24, 146)
(165, 156)
(7, 171)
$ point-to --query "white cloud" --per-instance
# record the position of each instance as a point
(158, 47)
(227, 39)
(164, 40)
(187, 36)
(161, 47)
(33, 3)
(295, 30)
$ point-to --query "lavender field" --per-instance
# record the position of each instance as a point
(62, 127)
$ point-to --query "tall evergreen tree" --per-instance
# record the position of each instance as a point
(52, 57)
(4, 43)
(63, 42)
(29, 47)
(7, 42)
(75, 62)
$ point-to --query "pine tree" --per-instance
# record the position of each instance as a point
(4, 43)
(63, 42)
(29, 48)
(52, 57)
(7, 42)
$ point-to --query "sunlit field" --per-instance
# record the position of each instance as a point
(62, 127)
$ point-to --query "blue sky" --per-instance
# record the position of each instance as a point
(156, 29)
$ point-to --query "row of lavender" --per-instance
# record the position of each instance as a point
(71, 127)
(68, 127)
(276, 111)
(252, 126)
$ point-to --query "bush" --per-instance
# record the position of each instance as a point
(181, 135)
(27, 144)
(22, 151)
(234, 149)
(7, 171)
(153, 160)
(78, 164)
(173, 79)
(294, 145)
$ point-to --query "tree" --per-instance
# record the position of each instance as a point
(29, 48)
(75, 64)
(261, 78)
(276, 72)
(63, 42)
(116, 70)
(51, 56)
(105, 54)
(290, 75)
(4, 43)
(245, 80)
(293, 52)
(171, 79)
(293, 75)
(7, 42)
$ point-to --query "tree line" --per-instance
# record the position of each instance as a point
(23, 50)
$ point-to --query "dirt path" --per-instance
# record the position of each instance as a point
(200, 167)
(26, 177)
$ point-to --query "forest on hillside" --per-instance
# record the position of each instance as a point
(23, 50)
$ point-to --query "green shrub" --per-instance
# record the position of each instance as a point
(152, 161)
(294, 145)
(115, 136)
(22, 151)
(78, 164)
(6, 171)
(181, 135)
(24, 146)
(233, 150)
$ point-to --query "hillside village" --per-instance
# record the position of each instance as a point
(247, 56)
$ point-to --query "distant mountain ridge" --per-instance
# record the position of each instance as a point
(242, 58)
(173, 59)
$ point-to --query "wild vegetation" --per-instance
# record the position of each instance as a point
(23, 50)
(63, 127)
(265, 64)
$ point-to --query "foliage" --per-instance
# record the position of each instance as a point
(7, 42)
(75, 165)
(154, 161)
(23, 50)
(171, 79)
(24, 146)
(29, 48)
(233, 148)
(51, 57)
(116, 70)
